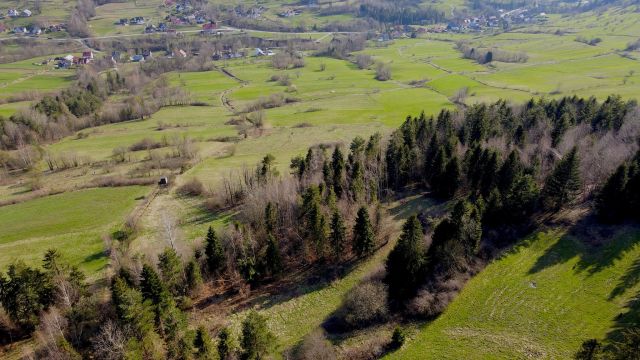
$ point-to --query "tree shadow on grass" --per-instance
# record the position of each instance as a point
(289, 286)
(597, 246)
(626, 320)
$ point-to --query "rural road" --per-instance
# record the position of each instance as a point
(222, 29)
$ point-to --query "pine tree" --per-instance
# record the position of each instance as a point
(151, 286)
(363, 235)
(257, 340)
(225, 344)
(271, 217)
(315, 224)
(337, 170)
(214, 252)
(357, 182)
(203, 344)
(611, 201)
(510, 170)
(193, 275)
(171, 271)
(273, 258)
(562, 186)
(467, 219)
(338, 234)
(406, 262)
(451, 179)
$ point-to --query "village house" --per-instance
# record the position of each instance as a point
(209, 28)
(13, 13)
(137, 58)
(26, 13)
(138, 20)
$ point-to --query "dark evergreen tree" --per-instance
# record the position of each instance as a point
(203, 344)
(271, 218)
(193, 276)
(611, 202)
(225, 344)
(215, 253)
(24, 293)
(171, 271)
(338, 235)
(562, 186)
(337, 171)
(150, 284)
(257, 340)
(406, 263)
(273, 257)
(363, 235)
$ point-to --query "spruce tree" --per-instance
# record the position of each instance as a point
(357, 182)
(337, 170)
(171, 271)
(225, 344)
(273, 257)
(562, 186)
(203, 344)
(151, 286)
(363, 235)
(451, 179)
(315, 223)
(611, 201)
(214, 252)
(257, 340)
(338, 234)
(406, 262)
(193, 275)
(271, 218)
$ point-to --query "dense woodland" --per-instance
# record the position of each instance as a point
(499, 170)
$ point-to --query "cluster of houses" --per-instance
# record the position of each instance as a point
(502, 18)
(33, 30)
(136, 20)
(68, 61)
(15, 13)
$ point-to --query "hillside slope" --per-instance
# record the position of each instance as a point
(540, 300)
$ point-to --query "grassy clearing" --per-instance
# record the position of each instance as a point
(540, 300)
(72, 222)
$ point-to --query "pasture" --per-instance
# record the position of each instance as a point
(540, 300)
(73, 222)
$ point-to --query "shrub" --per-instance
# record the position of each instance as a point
(364, 61)
(398, 338)
(315, 347)
(383, 72)
(365, 304)
(192, 187)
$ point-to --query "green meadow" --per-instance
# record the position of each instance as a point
(73, 222)
(540, 300)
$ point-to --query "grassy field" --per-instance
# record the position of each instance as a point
(31, 76)
(72, 222)
(540, 300)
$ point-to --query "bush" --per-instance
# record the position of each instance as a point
(192, 187)
(365, 304)
(364, 61)
(315, 347)
(398, 338)
(383, 72)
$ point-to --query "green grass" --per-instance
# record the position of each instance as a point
(72, 222)
(540, 300)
